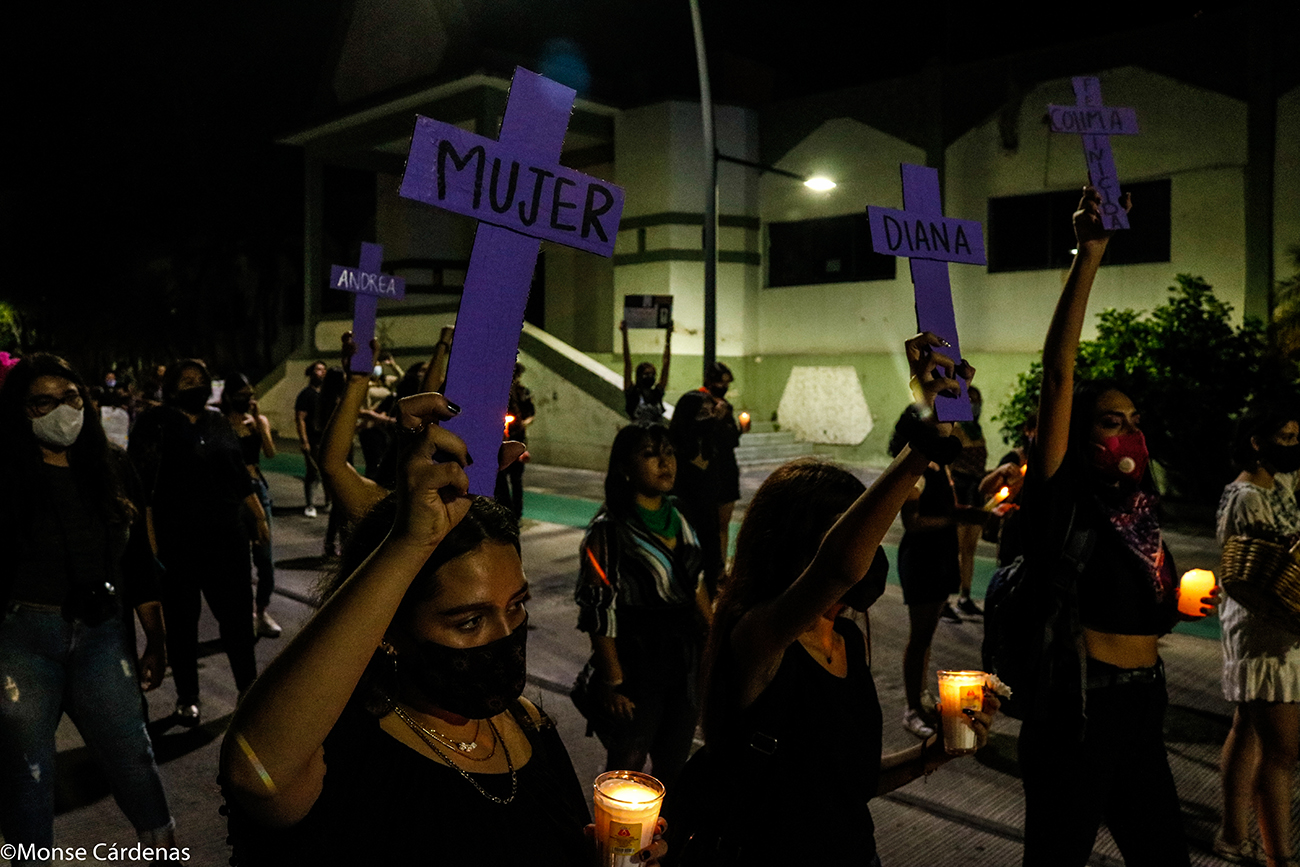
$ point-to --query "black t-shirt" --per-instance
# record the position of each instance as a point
(644, 405)
(382, 802)
(193, 473)
(308, 401)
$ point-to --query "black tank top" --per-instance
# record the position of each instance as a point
(250, 447)
(826, 762)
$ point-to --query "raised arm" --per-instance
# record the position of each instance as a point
(668, 356)
(272, 757)
(353, 491)
(846, 553)
(435, 374)
(263, 430)
(627, 357)
(1062, 342)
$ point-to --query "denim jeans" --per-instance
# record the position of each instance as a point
(263, 555)
(1118, 774)
(48, 666)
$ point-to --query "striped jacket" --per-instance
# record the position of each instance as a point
(626, 569)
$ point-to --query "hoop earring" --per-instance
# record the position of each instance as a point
(391, 653)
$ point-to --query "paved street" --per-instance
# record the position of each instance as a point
(968, 813)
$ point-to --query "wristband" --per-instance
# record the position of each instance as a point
(926, 440)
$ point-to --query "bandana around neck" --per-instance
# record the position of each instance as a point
(1133, 516)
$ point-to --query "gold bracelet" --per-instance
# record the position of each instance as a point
(257, 764)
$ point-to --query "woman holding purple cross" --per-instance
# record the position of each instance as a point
(1093, 749)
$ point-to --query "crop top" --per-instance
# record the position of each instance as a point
(1118, 592)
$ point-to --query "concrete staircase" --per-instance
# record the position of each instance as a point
(763, 445)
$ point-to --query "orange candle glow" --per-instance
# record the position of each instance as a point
(959, 690)
(997, 498)
(744, 422)
(509, 419)
(1195, 585)
(627, 809)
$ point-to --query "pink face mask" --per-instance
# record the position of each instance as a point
(1122, 456)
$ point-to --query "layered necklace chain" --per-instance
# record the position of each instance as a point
(459, 746)
(432, 739)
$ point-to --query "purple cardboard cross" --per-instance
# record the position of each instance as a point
(521, 195)
(1097, 123)
(930, 241)
(369, 285)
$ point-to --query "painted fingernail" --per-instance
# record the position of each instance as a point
(943, 342)
(453, 407)
(970, 712)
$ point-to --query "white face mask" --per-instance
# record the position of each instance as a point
(59, 427)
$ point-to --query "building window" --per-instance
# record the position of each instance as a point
(824, 250)
(1035, 233)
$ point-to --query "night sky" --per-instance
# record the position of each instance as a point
(141, 155)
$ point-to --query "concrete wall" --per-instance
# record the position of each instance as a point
(662, 166)
(1196, 138)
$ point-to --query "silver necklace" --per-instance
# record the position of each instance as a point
(433, 745)
(459, 746)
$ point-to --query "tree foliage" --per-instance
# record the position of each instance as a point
(1189, 371)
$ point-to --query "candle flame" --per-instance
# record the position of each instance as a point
(509, 419)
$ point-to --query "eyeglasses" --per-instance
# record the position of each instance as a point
(43, 404)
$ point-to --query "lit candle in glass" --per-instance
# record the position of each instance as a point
(627, 809)
(1195, 585)
(744, 422)
(959, 690)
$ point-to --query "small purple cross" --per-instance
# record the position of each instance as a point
(1097, 123)
(369, 285)
(521, 195)
(930, 240)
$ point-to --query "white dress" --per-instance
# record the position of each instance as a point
(1260, 661)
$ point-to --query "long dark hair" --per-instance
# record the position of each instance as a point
(620, 495)
(691, 437)
(1259, 423)
(235, 381)
(487, 520)
(782, 530)
(89, 458)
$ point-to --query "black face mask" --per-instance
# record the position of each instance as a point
(193, 400)
(240, 404)
(872, 586)
(646, 381)
(718, 391)
(473, 682)
(1284, 459)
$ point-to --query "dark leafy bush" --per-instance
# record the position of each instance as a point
(1189, 372)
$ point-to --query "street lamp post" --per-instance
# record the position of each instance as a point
(710, 195)
(711, 159)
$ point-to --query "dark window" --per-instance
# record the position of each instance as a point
(1035, 233)
(824, 250)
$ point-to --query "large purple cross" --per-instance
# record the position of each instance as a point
(1097, 123)
(369, 285)
(521, 195)
(930, 241)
